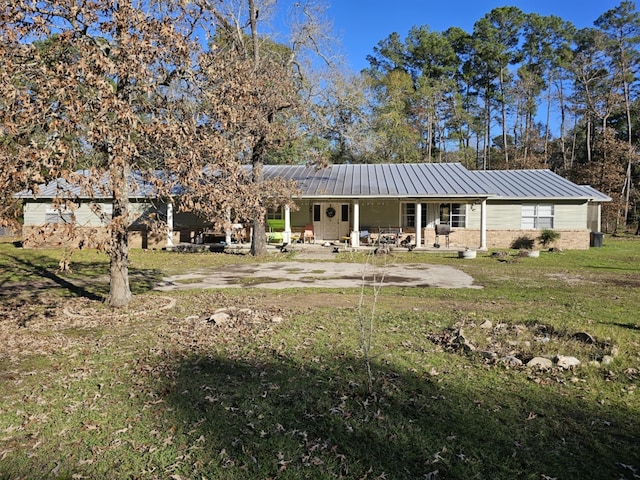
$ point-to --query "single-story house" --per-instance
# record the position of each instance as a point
(425, 205)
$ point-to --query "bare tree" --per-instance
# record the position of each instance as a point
(261, 81)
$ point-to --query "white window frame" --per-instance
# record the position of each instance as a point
(537, 216)
(457, 219)
(53, 215)
(408, 219)
(276, 213)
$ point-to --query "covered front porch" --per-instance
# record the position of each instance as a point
(362, 222)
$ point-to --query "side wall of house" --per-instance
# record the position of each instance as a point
(88, 229)
(504, 225)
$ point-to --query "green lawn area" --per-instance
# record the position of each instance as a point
(281, 389)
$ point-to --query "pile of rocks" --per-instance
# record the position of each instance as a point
(515, 354)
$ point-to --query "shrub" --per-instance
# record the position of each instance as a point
(548, 236)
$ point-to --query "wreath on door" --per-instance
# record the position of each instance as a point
(331, 212)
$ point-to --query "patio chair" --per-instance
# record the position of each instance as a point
(309, 234)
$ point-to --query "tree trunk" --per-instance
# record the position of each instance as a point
(259, 240)
(629, 178)
(504, 120)
(119, 291)
(588, 138)
(547, 130)
(563, 146)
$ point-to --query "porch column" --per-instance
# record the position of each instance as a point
(169, 224)
(286, 235)
(227, 234)
(355, 233)
(483, 225)
(418, 224)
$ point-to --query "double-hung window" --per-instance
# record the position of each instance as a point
(58, 215)
(537, 216)
(455, 214)
(275, 213)
(409, 213)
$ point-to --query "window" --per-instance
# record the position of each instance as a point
(409, 215)
(455, 214)
(344, 216)
(58, 215)
(537, 216)
(274, 214)
(316, 212)
(104, 211)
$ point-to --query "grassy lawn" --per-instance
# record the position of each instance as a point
(280, 389)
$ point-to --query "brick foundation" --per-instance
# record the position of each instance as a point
(569, 239)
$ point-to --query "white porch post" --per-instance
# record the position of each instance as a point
(418, 224)
(483, 225)
(355, 233)
(227, 234)
(286, 235)
(169, 224)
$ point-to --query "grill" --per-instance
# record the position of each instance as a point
(442, 229)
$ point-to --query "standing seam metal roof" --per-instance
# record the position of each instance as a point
(512, 184)
(382, 180)
(424, 180)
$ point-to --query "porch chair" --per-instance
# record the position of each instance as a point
(309, 234)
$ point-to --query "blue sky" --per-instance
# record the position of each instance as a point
(361, 24)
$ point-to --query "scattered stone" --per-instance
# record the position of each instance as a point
(567, 362)
(462, 341)
(583, 337)
(511, 361)
(540, 363)
(607, 360)
(486, 325)
(220, 318)
(594, 363)
(615, 351)
(489, 355)
(277, 319)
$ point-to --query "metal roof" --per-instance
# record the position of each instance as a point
(139, 187)
(534, 184)
(381, 180)
(402, 180)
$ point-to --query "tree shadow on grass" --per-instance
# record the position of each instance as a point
(279, 419)
(88, 279)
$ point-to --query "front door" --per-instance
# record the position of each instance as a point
(332, 221)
